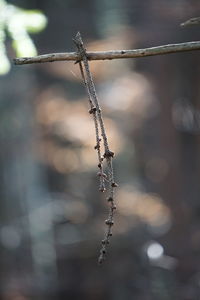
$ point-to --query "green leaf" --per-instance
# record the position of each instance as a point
(18, 22)
(34, 21)
(5, 64)
(24, 46)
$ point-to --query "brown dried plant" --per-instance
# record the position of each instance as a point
(96, 112)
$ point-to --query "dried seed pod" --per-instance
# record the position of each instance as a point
(97, 147)
(110, 199)
(108, 153)
(99, 165)
(109, 222)
(101, 174)
(114, 184)
(105, 241)
(102, 189)
(92, 110)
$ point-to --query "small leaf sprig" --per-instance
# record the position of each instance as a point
(108, 155)
(17, 23)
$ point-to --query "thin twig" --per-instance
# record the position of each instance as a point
(97, 147)
(191, 22)
(112, 54)
(108, 155)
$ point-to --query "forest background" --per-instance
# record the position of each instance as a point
(52, 215)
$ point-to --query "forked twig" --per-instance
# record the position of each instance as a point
(108, 155)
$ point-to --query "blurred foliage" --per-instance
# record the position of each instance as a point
(17, 23)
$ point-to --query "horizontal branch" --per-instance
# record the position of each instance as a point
(112, 54)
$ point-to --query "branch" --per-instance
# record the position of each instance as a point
(192, 21)
(108, 155)
(112, 54)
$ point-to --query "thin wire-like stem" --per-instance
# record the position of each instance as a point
(108, 155)
(93, 111)
(112, 54)
(191, 22)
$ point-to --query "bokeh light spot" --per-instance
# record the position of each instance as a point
(155, 251)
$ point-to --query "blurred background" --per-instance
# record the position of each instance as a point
(52, 215)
